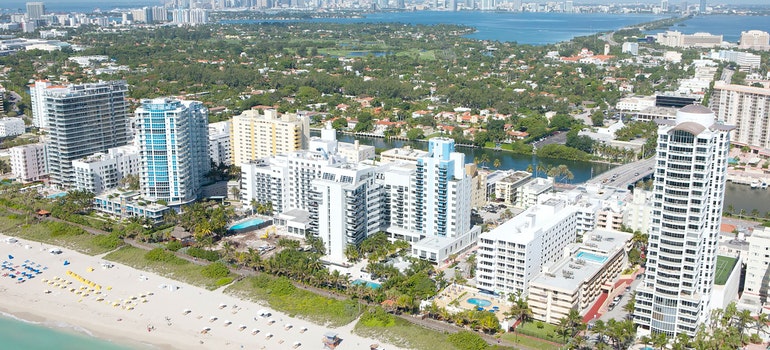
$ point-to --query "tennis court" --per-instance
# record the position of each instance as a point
(725, 265)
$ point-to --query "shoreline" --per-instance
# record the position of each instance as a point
(141, 310)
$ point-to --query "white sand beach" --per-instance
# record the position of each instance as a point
(139, 309)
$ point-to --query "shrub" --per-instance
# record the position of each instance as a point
(204, 254)
(110, 241)
(377, 317)
(755, 339)
(174, 246)
(62, 229)
(160, 255)
(224, 281)
(467, 341)
(539, 325)
(215, 270)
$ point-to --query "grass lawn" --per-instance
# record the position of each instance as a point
(548, 332)
(15, 225)
(283, 296)
(406, 335)
(725, 265)
(178, 269)
(529, 342)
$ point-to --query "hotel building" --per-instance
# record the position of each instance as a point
(755, 40)
(83, 120)
(691, 166)
(174, 158)
(220, 150)
(255, 136)
(748, 108)
(512, 254)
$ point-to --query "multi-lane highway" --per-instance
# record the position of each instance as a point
(626, 174)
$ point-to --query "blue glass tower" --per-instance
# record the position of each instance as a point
(173, 143)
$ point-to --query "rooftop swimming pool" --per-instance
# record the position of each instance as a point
(246, 224)
(591, 257)
(369, 284)
(479, 302)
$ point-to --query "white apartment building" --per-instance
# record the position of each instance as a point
(756, 287)
(345, 207)
(755, 40)
(103, 171)
(635, 103)
(637, 213)
(255, 136)
(631, 48)
(220, 150)
(306, 188)
(36, 90)
(11, 126)
(507, 189)
(746, 61)
(28, 162)
(404, 154)
(513, 253)
(678, 39)
(583, 272)
(528, 193)
(690, 173)
(748, 108)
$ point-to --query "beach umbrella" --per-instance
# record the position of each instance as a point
(66, 262)
(10, 256)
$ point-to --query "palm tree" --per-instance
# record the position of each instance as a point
(529, 168)
(520, 309)
(496, 163)
(659, 340)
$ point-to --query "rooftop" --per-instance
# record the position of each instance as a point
(725, 265)
(522, 228)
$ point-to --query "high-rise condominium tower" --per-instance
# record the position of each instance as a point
(82, 120)
(173, 147)
(690, 171)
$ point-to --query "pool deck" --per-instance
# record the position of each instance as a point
(455, 291)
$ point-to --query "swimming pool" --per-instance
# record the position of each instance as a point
(246, 224)
(591, 257)
(369, 284)
(57, 195)
(479, 302)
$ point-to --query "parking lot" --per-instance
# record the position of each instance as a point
(492, 212)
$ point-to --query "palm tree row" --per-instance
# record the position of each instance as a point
(484, 321)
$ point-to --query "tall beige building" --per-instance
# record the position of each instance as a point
(755, 40)
(748, 108)
(255, 136)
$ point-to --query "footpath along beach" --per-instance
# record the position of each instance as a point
(142, 310)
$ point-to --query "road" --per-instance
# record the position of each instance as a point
(625, 175)
(608, 38)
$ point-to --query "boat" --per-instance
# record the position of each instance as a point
(755, 184)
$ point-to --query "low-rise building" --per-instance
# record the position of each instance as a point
(528, 193)
(509, 188)
(404, 154)
(637, 212)
(10, 126)
(28, 162)
(577, 279)
(129, 204)
(756, 288)
(103, 171)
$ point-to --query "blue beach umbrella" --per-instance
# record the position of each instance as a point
(10, 256)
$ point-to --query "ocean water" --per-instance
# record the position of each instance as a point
(523, 28)
(729, 26)
(22, 335)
